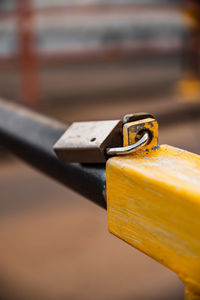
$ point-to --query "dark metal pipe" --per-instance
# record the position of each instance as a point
(31, 137)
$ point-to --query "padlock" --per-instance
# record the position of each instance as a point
(90, 142)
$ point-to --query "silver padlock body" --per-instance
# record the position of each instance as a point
(85, 142)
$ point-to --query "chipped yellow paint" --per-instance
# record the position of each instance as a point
(154, 205)
(130, 131)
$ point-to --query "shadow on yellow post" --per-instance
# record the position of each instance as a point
(189, 85)
(153, 203)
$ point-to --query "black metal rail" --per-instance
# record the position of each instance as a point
(31, 137)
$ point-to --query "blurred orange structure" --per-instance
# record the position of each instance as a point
(190, 85)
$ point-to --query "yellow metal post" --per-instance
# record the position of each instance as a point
(153, 199)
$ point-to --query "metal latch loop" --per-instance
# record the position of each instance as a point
(131, 148)
(140, 131)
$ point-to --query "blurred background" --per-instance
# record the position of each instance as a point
(90, 60)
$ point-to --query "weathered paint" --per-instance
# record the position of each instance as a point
(130, 131)
(154, 205)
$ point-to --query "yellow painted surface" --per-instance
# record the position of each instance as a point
(154, 205)
(130, 131)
